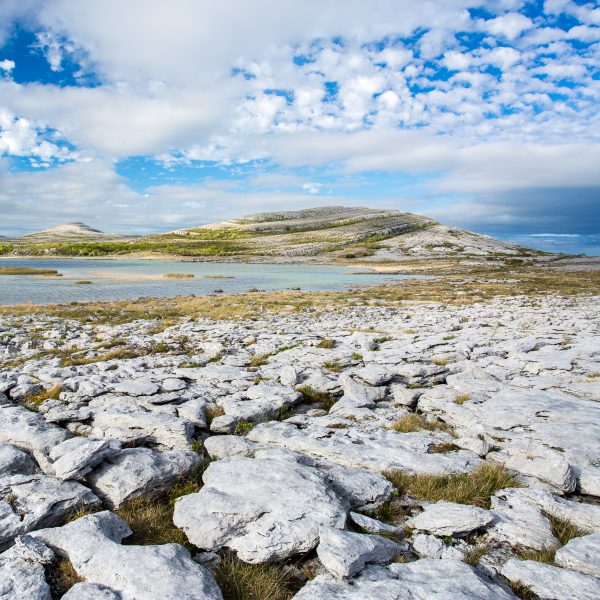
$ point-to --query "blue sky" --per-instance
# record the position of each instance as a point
(150, 116)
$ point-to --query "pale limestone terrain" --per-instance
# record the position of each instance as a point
(299, 417)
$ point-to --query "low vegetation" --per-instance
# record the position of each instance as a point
(61, 577)
(242, 581)
(476, 487)
(327, 344)
(413, 422)
(179, 276)
(312, 395)
(27, 271)
(465, 285)
(33, 402)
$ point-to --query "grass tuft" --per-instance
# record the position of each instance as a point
(411, 423)
(312, 395)
(179, 276)
(243, 581)
(326, 343)
(460, 400)
(33, 402)
(564, 531)
(475, 554)
(476, 487)
(61, 577)
(211, 412)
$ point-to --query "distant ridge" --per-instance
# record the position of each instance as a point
(70, 232)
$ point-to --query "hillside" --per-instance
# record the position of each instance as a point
(70, 232)
(342, 232)
(326, 233)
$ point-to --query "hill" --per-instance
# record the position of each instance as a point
(70, 232)
(328, 233)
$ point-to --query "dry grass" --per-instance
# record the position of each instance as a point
(179, 276)
(61, 577)
(327, 344)
(33, 402)
(26, 271)
(335, 366)
(211, 412)
(564, 531)
(544, 556)
(460, 400)
(476, 487)
(243, 581)
(457, 284)
(522, 591)
(443, 448)
(475, 554)
(312, 395)
(411, 423)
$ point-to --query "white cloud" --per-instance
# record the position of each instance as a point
(509, 26)
(7, 65)
(312, 188)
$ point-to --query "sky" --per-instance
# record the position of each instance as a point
(148, 115)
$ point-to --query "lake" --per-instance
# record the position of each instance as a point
(123, 279)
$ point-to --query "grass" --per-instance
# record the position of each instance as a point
(179, 276)
(443, 448)
(411, 423)
(522, 591)
(476, 487)
(243, 581)
(564, 531)
(27, 271)
(150, 517)
(475, 554)
(258, 360)
(83, 282)
(440, 362)
(243, 427)
(460, 400)
(335, 366)
(33, 402)
(211, 413)
(119, 353)
(327, 344)
(218, 276)
(61, 577)
(312, 395)
(456, 284)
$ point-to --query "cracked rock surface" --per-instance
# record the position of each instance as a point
(337, 446)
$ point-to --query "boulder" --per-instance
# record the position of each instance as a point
(581, 554)
(137, 471)
(264, 509)
(552, 583)
(344, 554)
(93, 545)
(31, 501)
(376, 450)
(76, 457)
(14, 461)
(450, 519)
(425, 579)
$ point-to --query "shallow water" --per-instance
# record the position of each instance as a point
(123, 279)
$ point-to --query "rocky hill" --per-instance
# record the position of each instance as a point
(343, 232)
(70, 232)
(328, 233)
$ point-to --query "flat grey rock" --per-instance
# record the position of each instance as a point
(28, 502)
(447, 518)
(371, 525)
(93, 545)
(137, 471)
(76, 457)
(91, 591)
(264, 509)
(429, 546)
(344, 554)
(139, 425)
(29, 431)
(425, 579)
(22, 580)
(581, 554)
(552, 583)
(377, 449)
(14, 461)
(136, 387)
